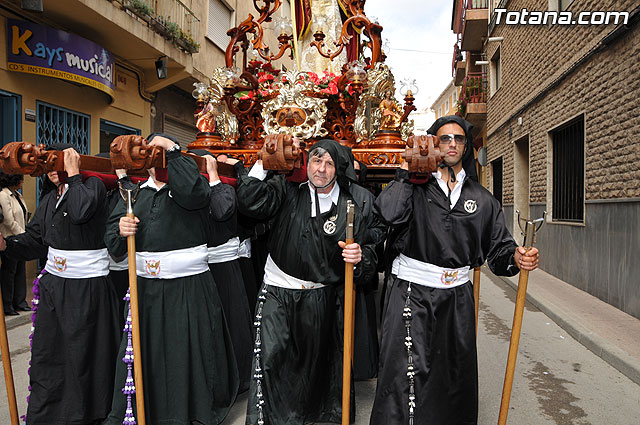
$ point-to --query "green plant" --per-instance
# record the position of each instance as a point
(461, 106)
(173, 29)
(141, 7)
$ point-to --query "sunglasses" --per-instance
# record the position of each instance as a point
(446, 138)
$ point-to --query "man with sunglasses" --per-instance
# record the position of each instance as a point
(447, 226)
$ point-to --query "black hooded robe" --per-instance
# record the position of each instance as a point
(188, 364)
(442, 324)
(301, 330)
(76, 330)
(229, 280)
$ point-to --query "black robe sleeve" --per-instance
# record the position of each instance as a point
(257, 198)
(395, 204)
(223, 202)
(374, 236)
(83, 199)
(28, 245)
(116, 244)
(502, 246)
(189, 188)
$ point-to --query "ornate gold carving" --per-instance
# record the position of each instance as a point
(297, 92)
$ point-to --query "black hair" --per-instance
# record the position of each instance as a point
(10, 180)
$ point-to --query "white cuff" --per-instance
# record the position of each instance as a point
(257, 171)
(214, 183)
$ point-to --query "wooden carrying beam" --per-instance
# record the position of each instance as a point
(131, 153)
(134, 154)
(35, 160)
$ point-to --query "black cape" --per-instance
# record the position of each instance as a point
(229, 280)
(189, 369)
(442, 323)
(301, 330)
(76, 330)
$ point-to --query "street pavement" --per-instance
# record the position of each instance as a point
(557, 379)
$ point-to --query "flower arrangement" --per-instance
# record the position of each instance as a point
(267, 77)
(326, 83)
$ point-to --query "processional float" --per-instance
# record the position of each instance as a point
(339, 88)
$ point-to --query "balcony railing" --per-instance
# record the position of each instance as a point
(169, 18)
(474, 88)
(463, 6)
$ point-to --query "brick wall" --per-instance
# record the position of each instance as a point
(605, 89)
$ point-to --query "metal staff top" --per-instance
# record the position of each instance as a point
(530, 229)
(129, 196)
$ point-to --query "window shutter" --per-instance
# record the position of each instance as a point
(219, 23)
(183, 132)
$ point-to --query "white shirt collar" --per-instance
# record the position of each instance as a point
(457, 189)
(326, 199)
(151, 184)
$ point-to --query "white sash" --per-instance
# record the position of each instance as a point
(245, 248)
(227, 251)
(172, 264)
(77, 264)
(427, 274)
(276, 277)
(118, 266)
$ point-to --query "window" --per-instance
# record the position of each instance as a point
(568, 172)
(110, 130)
(496, 72)
(10, 119)
(559, 5)
(220, 20)
(446, 106)
(60, 125)
(496, 171)
(455, 97)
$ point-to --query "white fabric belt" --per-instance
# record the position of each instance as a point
(77, 264)
(172, 264)
(245, 248)
(119, 265)
(427, 274)
(276, 277)
(394, 266)
(227, 251)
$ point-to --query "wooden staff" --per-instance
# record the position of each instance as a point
(129, 198)
(529, 231)
(476, 293)
(349, 307)
(8, 373)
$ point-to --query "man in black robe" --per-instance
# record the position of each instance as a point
(188, 365)
(76, 328)
(298, 361)
(223, 248)
(428, 363)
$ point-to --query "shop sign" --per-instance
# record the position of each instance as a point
(41, 50)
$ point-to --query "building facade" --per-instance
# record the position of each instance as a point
(560, 130)
(86, 71)
(446, 103)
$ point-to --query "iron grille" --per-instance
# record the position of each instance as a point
(496, 166)
(60, 125)
(568, 171)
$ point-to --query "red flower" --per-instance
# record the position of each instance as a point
(333, 87)
(313, 77)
